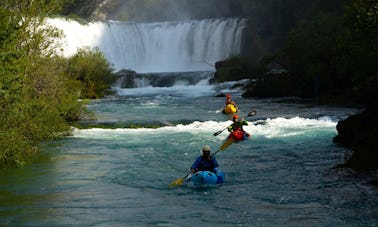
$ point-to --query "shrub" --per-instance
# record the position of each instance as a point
(93, 70)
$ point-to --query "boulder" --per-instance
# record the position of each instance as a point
(231, 69)
(271, 85)
(360, 133)
(126, 78)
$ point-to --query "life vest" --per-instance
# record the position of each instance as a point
(238, 135)
(230, 108)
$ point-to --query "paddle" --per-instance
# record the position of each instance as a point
(252, 113)
(181, 180)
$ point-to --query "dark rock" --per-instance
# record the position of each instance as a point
(231, 69)
(275, 68)
(220, 95)
(219, 64)
(360, 133)
(127, 78)
(272, 85)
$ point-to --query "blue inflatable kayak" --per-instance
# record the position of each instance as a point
(202, 179)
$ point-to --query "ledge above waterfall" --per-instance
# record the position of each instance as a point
(131, 79)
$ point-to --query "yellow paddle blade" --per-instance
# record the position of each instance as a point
(177, 182)
(226, 144)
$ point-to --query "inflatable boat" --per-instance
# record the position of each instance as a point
(203, 179)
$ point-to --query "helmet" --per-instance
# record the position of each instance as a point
(206, 148)
(235, 117)
(228, 95)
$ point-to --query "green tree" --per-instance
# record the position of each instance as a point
(93, 70)
(310, 53)
(36, 96)
(334, 54)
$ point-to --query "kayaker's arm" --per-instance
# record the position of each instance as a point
(194, 167)
(230, 128)
(233, 103)
(215, 163)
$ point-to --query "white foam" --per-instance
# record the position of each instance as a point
(229, 86)
(270, 128)
(283, 127)
(201, 89)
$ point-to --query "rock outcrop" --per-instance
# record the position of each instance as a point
(360, 133)
(126, 78)
(231, 69)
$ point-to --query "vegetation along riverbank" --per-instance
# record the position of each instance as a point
(40, 92)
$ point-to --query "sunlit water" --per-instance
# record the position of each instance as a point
(119, 176)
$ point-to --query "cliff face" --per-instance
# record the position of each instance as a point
(360, 133)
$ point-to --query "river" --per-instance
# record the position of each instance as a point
(117, 174)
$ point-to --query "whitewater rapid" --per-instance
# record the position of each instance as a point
(269, 128)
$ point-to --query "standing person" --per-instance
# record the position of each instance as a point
(205, 162)
(236, 129)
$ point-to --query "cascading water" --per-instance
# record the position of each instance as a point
(178, 46)
(162, 79)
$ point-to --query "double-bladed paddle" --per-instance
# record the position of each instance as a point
(250, 114)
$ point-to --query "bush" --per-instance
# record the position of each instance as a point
(94, 71)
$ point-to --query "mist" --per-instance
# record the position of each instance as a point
(168, 10)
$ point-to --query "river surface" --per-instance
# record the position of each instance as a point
(118, 175)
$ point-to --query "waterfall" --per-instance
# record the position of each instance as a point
(178, 46)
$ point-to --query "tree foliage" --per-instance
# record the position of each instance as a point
(332, 53)
(93, 70)
(361, 19)
(36, 95)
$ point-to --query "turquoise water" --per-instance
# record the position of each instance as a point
(119, 176)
